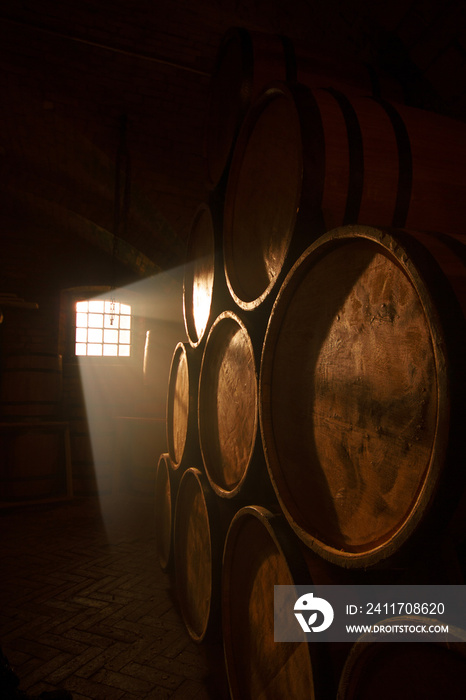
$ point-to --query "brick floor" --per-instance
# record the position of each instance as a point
(85, 606)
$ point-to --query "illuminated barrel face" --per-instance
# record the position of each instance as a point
(182, 406)
(228, 397)
(199, 276)
(193, 554)
(202, 293)
(352, 385)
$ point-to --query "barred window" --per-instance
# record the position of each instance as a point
(103, 328)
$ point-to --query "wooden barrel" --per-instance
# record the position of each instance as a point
(405, 671)
(201, 522)
(413, 166)
(199, 276)
(228, 411)
(245, 62)
(262, 197)
(205, 293)
(31, 386)
(308, 161)
(248, 60)
(182, 438)
(362, 385)
(166, 485)
(261, 552)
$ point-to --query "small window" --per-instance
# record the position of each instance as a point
(103, 328)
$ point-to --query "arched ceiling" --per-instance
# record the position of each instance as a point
(104, 103)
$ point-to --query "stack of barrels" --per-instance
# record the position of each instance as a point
(314, 418)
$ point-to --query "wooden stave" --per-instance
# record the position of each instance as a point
(342, 141)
